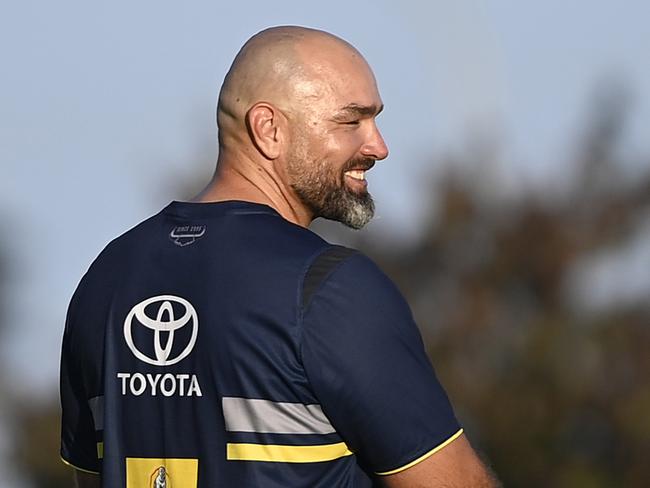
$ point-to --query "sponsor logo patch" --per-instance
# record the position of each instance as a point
(164, 315)
(161, 331)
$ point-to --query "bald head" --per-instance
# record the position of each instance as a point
(284, 66)
(297, 130)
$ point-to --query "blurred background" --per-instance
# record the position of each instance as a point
(513, 211)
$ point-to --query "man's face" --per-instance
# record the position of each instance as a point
(334, 142)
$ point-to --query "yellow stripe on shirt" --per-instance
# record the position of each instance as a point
(65, 461)
(286, 454)
(423, 457)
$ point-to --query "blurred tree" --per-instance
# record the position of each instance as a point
(36, 450)
(6, 276)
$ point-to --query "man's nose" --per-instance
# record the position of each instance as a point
(375, 147)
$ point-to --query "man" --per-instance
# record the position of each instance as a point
(222, 344)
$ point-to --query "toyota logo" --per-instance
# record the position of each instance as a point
(164, 321)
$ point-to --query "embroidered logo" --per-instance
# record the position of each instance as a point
(184, 235)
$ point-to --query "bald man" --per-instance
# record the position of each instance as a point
(220, 343)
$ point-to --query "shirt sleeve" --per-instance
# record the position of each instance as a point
(79, 446)
(365, 360)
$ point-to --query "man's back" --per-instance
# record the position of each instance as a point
(220, 343)
(191, 358)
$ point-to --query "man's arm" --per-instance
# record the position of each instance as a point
(454, 466)
(367, 365)
(86, 480)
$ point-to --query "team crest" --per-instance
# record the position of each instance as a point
(160, 478)
(162, 473)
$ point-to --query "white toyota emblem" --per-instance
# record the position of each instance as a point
(165, 321)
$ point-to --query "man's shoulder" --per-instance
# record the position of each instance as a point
(119, 244)
(344, 272)
(338, 263)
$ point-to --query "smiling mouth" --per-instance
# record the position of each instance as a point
(355, 180)
(357, 174)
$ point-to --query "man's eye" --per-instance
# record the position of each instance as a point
(352, 122)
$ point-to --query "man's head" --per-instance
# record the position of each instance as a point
(303, 103)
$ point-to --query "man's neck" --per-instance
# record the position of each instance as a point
(249, 181)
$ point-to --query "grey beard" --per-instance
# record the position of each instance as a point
(351, 209)
(340, 204)
(324, 192)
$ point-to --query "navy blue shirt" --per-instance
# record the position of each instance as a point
(219, 345)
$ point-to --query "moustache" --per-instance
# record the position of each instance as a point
(359, 163)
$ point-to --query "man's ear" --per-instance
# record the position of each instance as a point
(264, 124)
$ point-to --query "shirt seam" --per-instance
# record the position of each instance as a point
(300, 311)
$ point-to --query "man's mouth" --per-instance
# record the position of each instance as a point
(357, 174)
(355, 180)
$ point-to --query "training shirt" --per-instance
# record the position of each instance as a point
(219, 345)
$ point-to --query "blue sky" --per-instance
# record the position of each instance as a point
(105, 107)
